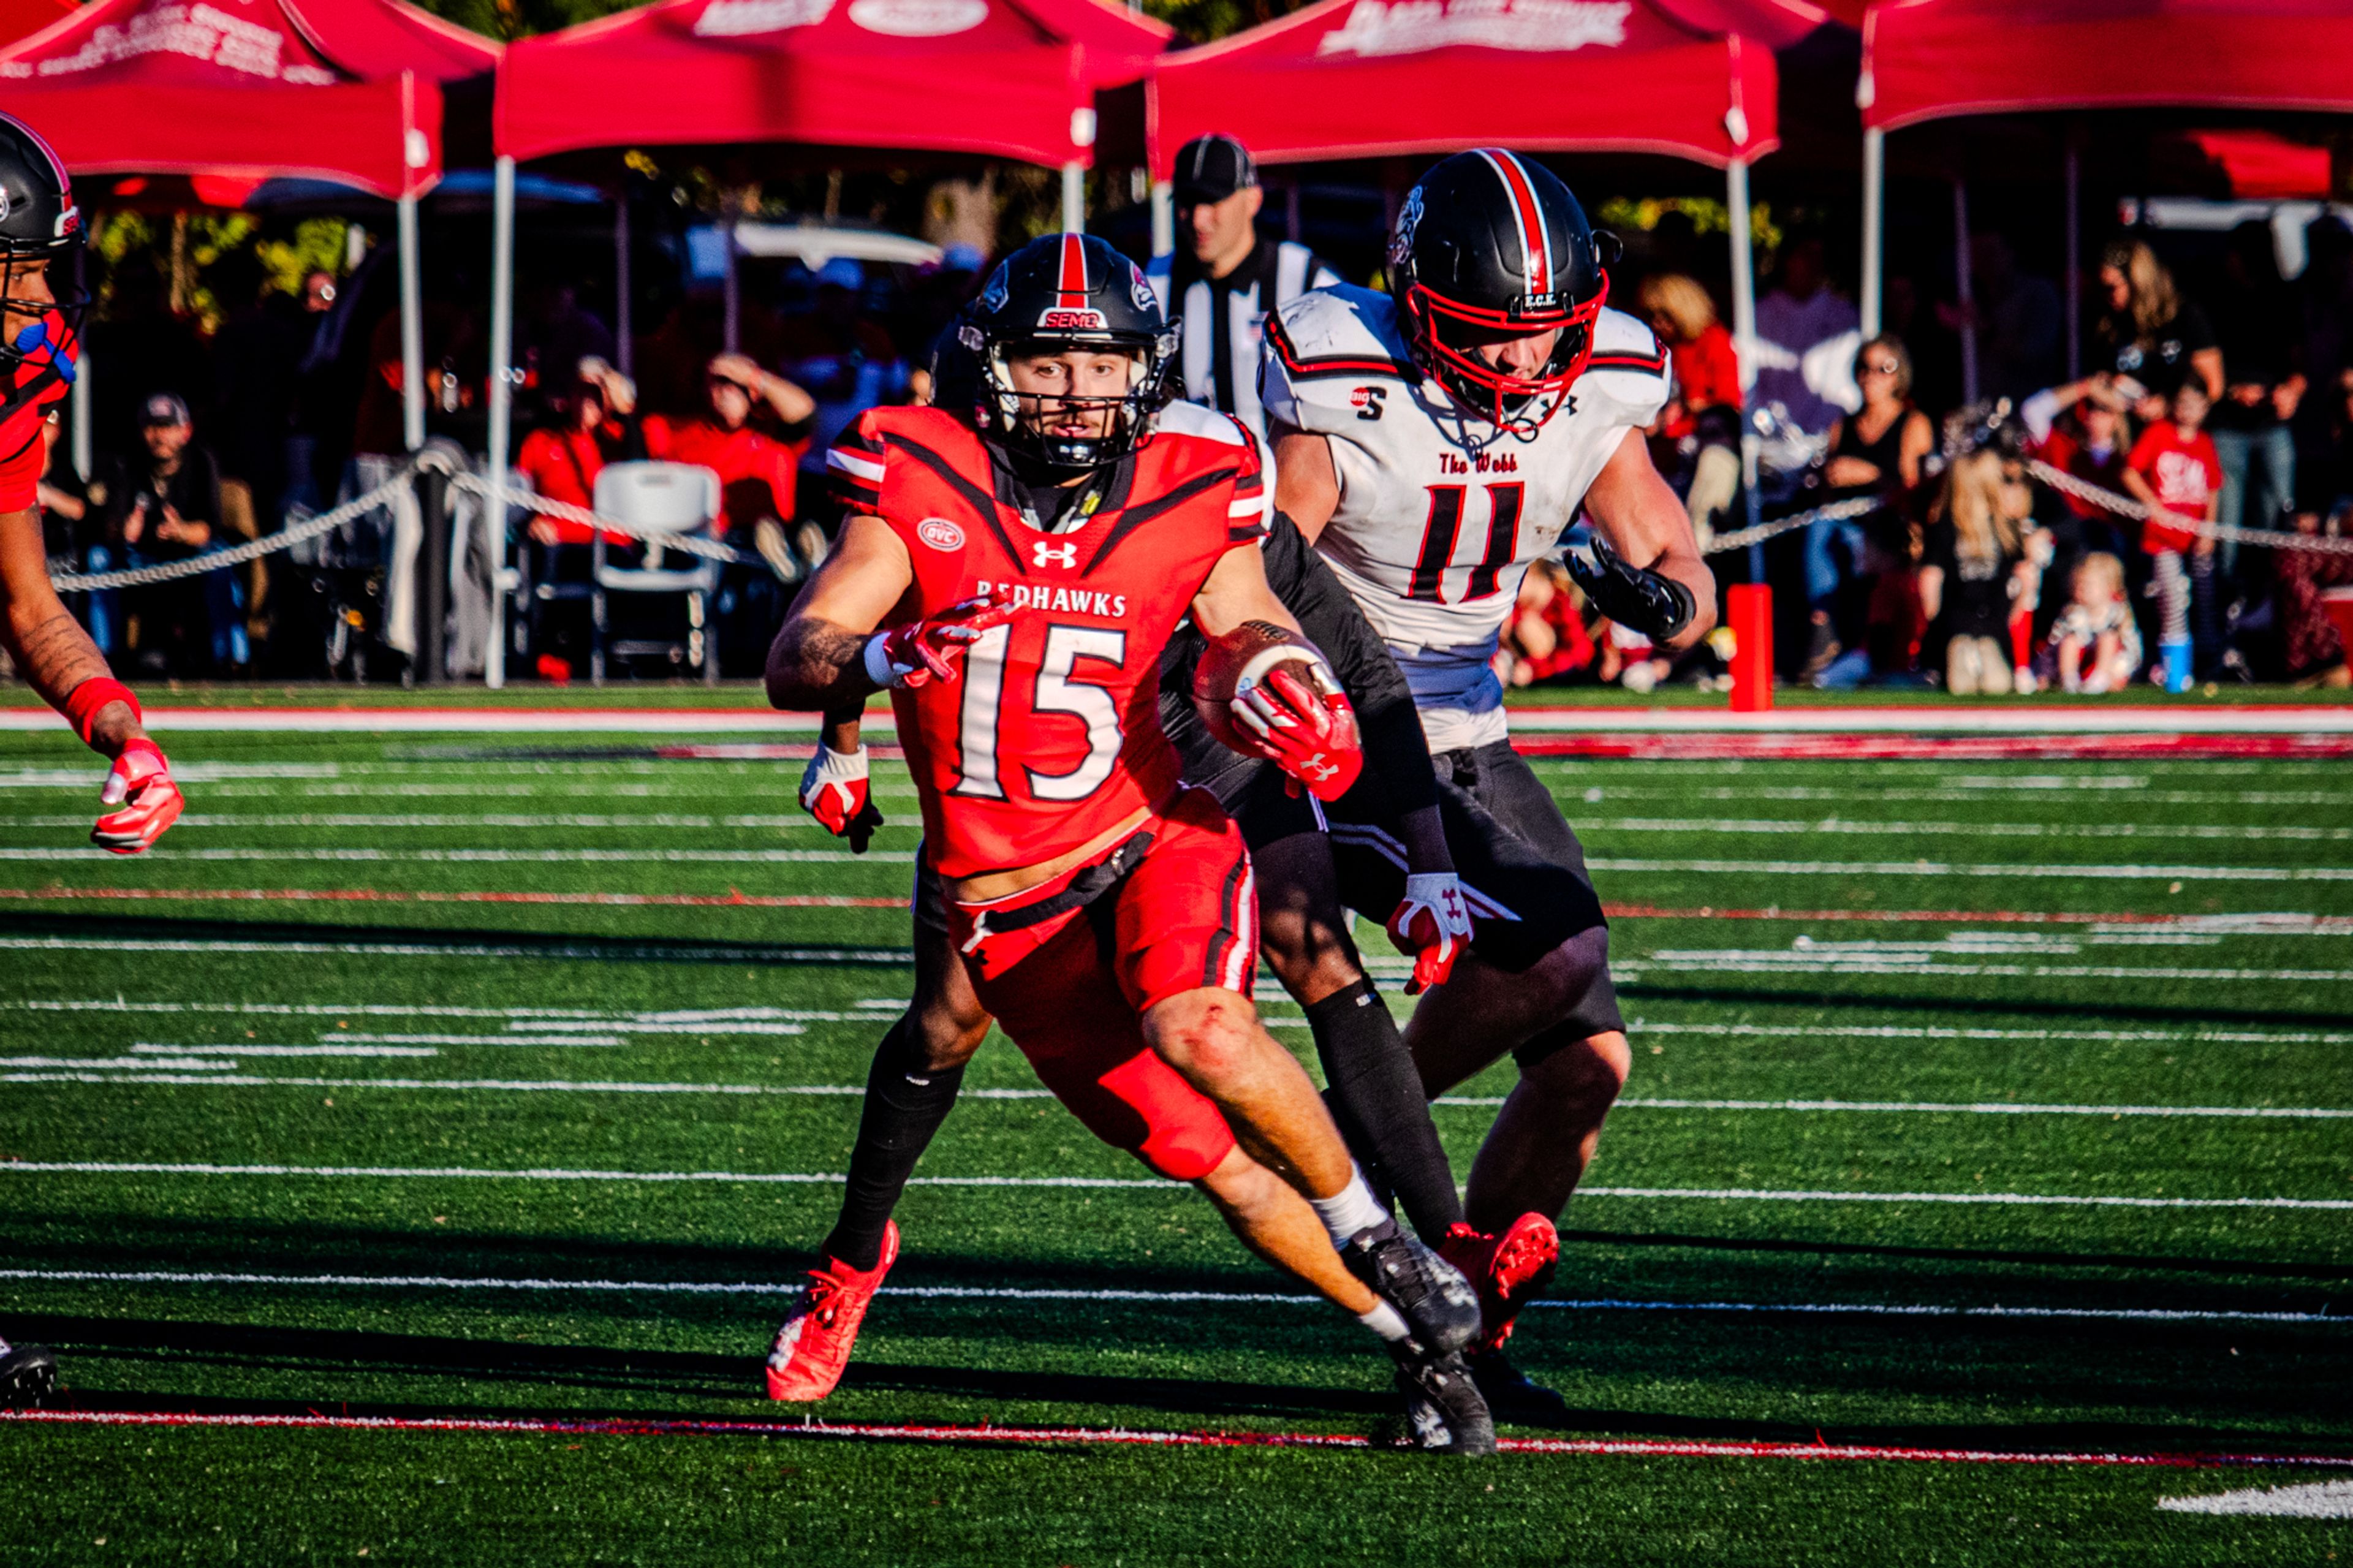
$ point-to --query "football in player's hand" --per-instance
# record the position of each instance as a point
(1251, 650)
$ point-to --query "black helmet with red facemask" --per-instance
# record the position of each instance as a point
(1490, 246)
(38, 224)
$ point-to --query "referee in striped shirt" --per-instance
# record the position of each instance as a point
(1224, 281)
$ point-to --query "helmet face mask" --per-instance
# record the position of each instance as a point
(1071, 298)
(1491, 248)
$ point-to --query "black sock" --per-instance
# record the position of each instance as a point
(905, 1107)
(1376, 1096)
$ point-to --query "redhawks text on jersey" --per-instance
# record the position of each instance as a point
(1052, 736)
(1440, 512)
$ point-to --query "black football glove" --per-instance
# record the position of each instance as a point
(1635, 597)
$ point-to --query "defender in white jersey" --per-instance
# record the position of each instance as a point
(1433, 442)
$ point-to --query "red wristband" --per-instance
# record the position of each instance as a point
(84, 702)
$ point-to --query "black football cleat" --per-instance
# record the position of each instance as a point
(27, 1374)
(1437, 1304)
(1445, 1412)
(1511, 1394)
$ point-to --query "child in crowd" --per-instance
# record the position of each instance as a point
(1546, 637)
(2175, 468)
(2098, 644)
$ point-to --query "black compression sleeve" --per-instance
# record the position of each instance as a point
(905, 1107)
(1397, 764)
(1376, 1098)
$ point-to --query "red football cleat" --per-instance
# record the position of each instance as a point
(814, 1345)
(1507, 1271)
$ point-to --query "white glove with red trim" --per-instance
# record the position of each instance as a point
(140, 785)
(928, 650)
(834, 791)
(1432, 922)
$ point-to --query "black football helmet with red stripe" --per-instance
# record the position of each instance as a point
(1489, 246)
(38, 224)
(1057, 293)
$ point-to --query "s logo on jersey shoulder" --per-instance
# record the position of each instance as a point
(1367, 401)
(1089, 321)
(940, 533)
(1045, 554)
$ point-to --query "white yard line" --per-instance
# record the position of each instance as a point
(667, 821)
(1935, 1032)
(747, 856)
(584, 949)
(1018, 1293)
(1734, 962)
(2321, 1499)
(849, 1090)
(1721, 1195)
(2160, 832)
(2036, 869)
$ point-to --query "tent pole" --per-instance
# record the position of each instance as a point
(1964, 288)
(1164, 218)
(2073, 168)
(624, 326)
(412, 331)
(1874, 222)
(1744, 340)
(730, 291)
(494, 656)
(84, 457)
(1074, 197)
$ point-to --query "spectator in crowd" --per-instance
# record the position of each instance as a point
(2081, 428)
(1876, 451)
(2325, 336)
(554, 331)
(2263, 389)
(1546, 638)
(162, 504)
(2018, 318)
(2173, 468)
(1805, 336)
(2313, 652)
(590, 423)
(1703, 415)
(750, 433)
(2095, 640)
(846, 362)
(2150, 332)
(1974, 571)
(65, 505)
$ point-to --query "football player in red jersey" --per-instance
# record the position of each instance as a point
(1025, 579)
(41, 239)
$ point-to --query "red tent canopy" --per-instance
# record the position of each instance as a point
(1012, 79)
(337, 89)
(1359, 78)
(1929, 60)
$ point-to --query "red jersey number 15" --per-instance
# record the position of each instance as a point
(983, 723)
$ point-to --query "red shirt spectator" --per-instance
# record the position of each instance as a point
(561, 462)
(2184, 471)
(757, 473)
(1707, 375)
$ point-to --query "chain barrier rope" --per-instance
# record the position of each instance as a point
(709, 549)
(1833, 512)
(252, 549)
(2126, 506)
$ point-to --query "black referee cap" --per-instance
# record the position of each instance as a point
(1212, 168)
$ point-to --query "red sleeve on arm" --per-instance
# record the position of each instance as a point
(24, 456)
(2143, 457)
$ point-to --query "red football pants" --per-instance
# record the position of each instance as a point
(1185, 919)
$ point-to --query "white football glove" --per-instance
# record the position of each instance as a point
(834, 791)
(1432, 922)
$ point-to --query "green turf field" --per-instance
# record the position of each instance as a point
(393, 1149)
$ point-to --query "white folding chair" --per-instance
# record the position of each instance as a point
(657, 499)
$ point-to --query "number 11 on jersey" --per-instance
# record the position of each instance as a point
(1443, 531)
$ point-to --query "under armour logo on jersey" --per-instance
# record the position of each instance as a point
(1047, 554)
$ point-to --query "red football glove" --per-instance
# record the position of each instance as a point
(1308, 731)
(926, 650)
(833, 789)
(1433, 923)
(140, 784)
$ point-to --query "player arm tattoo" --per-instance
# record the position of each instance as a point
(818, 658)
(1646, 523)
(48, 645)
